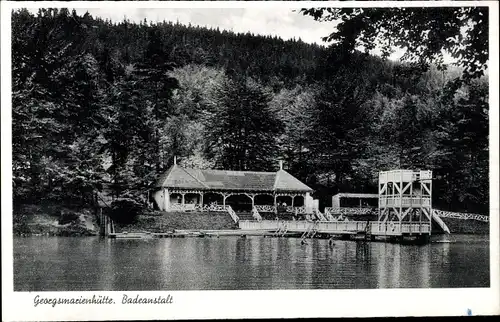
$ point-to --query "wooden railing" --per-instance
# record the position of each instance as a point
(337, 227)
(273, 209)
(404, 175)
(462, 216)
(296, 210)
(265, 208)
(270, 225)
(395, 228)
(440, 213)
(348, 211)
(328, 215)
(182, 207)
(210, 208)
(319, 215)
(303, 226)
(233, 215)
(397, 201)
(440, 222)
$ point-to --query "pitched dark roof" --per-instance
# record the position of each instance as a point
(184, 178)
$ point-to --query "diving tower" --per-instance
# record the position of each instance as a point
(405, 203)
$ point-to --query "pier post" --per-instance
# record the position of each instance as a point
(101, 223)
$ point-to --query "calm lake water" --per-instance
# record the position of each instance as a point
(233, 263)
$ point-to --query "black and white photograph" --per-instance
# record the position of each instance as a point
(306, 146)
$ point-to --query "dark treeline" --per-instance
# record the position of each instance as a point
(99, 102)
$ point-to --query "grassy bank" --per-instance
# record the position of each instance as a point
(460, 226)
(53, 220)
(168, 221)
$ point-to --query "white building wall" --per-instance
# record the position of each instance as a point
(159, 199)
(315, 204)
(309, 203)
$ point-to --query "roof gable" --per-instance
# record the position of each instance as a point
(285, 181)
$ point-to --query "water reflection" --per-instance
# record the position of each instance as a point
(69, 264)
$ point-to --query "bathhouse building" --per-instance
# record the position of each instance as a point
(184, 189)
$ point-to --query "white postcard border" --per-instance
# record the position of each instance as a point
(251, 304)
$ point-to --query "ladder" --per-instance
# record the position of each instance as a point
(310, 232)
(281, 231)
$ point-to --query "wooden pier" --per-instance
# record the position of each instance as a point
(194, 233)
(305, 229)
(370, 230)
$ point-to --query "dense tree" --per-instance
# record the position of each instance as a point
(462, 139)
(97, 102)
(54, 104)
(424, 33)
(294, 109)
(242, 133)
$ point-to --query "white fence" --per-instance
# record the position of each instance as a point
(348, 211)
(181, 207)
(439, 213)
(404, 175)
(196, 207)
(333, 227)
(397, 201)
(459, 215)
(338, 227)
(265, 208)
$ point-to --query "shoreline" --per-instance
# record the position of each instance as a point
(54, 220)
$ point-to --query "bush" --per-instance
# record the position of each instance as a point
(67, 217)
(125, 210)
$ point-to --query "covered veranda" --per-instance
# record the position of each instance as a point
(184, 189)
(210, 200)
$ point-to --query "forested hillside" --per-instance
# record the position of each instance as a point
(99, 102)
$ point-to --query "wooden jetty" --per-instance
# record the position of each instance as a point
(347, 229)
(357, 230)
(195, 233)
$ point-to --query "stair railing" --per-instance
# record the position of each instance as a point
(233, 215)
(319, 215)
(328, 215)
(102, 199)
